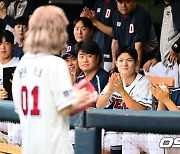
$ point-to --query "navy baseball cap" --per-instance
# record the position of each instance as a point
(69, 52)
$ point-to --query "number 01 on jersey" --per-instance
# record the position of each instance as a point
(25, 98)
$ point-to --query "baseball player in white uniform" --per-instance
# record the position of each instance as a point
(42, 88)
(125, 90)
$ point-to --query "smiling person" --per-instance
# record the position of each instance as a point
(125, 90)
(71, 60)
(89, 60)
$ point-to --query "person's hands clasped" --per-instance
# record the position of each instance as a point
(162, 95)
(3, 93)
(89, 14)
(86, 12)
(117, 82)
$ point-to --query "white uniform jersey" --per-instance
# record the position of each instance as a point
(13, 62)
(138, 90)
(4, 126)
(41, 88)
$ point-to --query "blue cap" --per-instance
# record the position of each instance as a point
(69, 51)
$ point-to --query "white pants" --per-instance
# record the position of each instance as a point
(14, 132)
(134, 143)
(154, 140)
(149, 143)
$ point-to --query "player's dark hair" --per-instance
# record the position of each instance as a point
(130, 50)
(89, 47)
(9, 37)
(86, 22)
(21, 21)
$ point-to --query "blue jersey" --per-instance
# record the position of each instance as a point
(18, 51)
(104, 11)
(99, 81)
(137, 27)
(175, 96)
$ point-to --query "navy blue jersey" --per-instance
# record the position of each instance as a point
(7, 21)
(104, 11)
(18, 51)
(99, 81)
(175, 96)
(137, 27)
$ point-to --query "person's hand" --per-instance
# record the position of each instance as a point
(111, 88)
(86, 12)
(150, 63)
(87, 104)
(162, 95)
(173, 57)
(3, 93)
(85, 91)
(89, 14)
(87, 97)
(3, 11)
(117, 82)
(92, 17)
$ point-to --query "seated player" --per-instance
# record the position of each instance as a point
(71, 59)
(125, 90)
(89, 60)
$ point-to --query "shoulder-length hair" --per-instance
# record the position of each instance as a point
(47, 31)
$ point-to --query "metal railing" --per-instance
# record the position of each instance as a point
(88, 124)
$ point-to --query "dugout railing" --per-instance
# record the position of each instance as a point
(88, 125)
